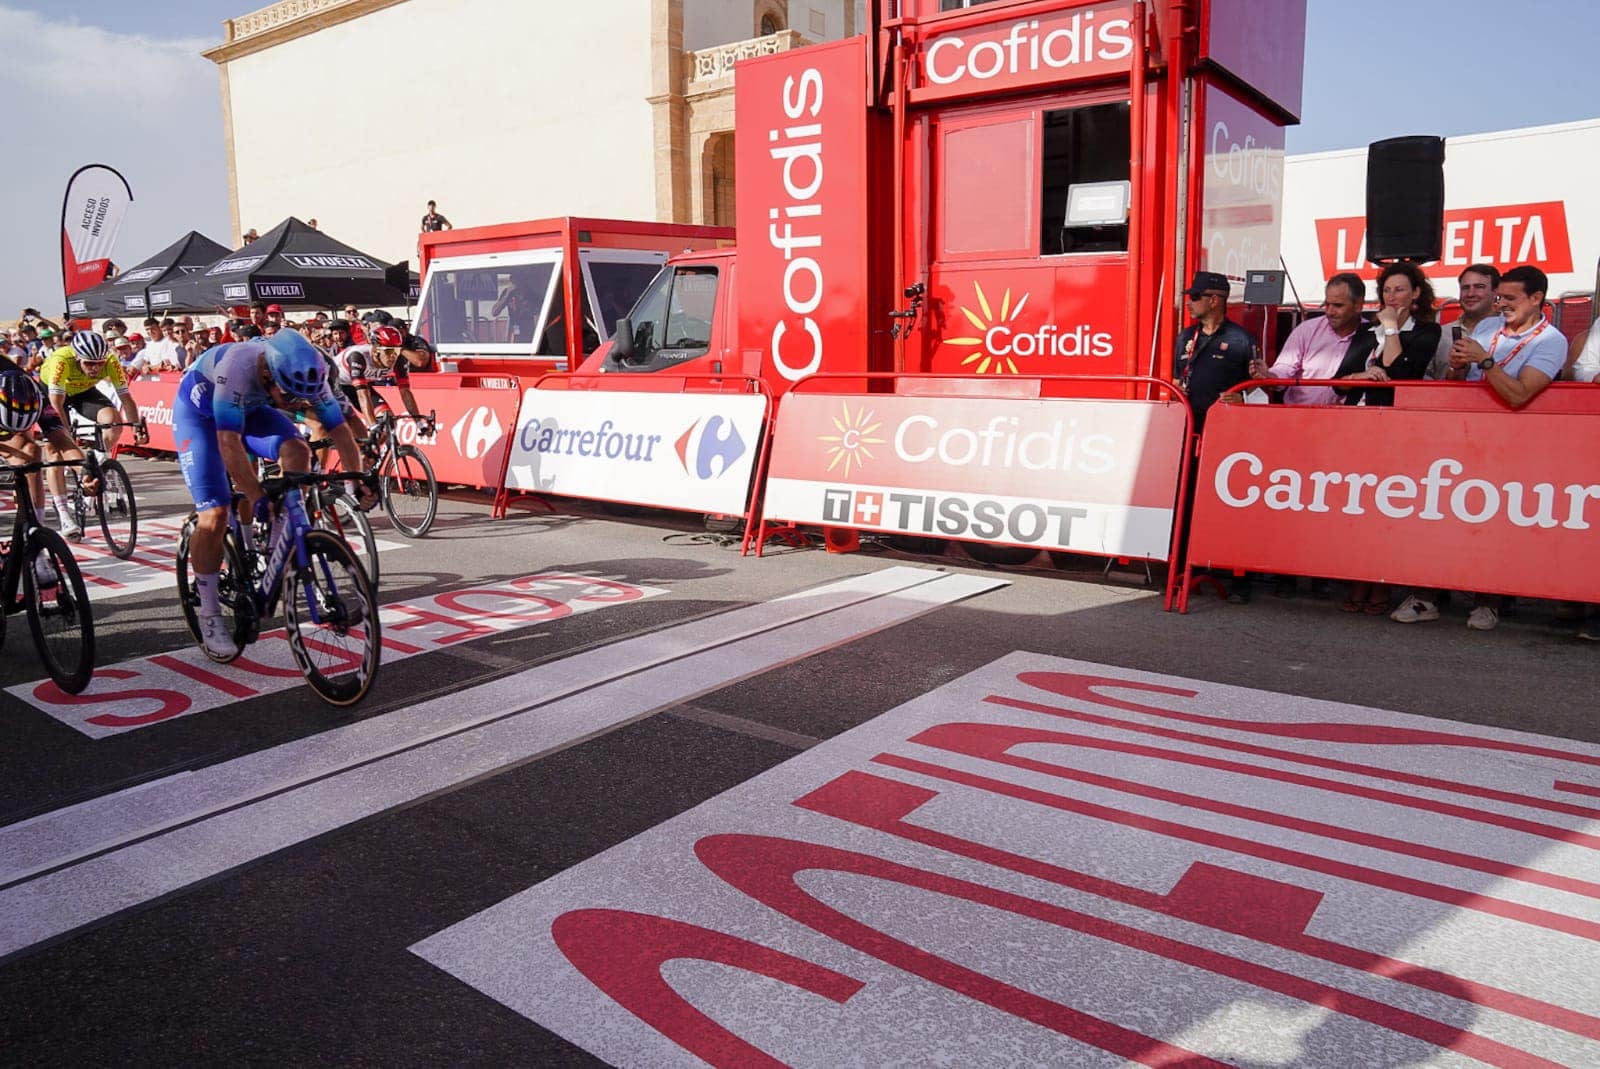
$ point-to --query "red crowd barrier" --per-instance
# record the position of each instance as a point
(1449, 489)
(476, 415)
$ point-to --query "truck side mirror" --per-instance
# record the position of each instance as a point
(622, 339)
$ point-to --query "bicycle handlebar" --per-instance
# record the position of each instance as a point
(278, 485)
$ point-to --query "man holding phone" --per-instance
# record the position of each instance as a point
(1476, 285)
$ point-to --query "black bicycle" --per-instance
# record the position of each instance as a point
(113, 508)
(40, 577)
(330, 612)
(406, 484)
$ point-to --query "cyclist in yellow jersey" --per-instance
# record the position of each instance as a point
(72, 375)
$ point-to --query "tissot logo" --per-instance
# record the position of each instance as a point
(1001, 340)
(329, 262)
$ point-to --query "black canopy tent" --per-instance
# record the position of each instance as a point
(291, 264)
(144, 288)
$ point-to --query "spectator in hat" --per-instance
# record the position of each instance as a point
(275, 314)
(432, 221)
(1214, 355)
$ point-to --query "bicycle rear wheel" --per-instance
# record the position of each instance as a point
(116, 509)
(330, 616)
(58, 610)
(234, 595)
(410, 493)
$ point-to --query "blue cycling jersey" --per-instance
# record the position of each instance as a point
(225, 383)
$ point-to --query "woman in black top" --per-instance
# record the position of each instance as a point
(1400, 345)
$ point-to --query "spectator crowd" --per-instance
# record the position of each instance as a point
(1502, 338)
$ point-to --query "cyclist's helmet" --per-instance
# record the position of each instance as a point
(20, 403)
(90, 345)
(387, 337)
(296, 364)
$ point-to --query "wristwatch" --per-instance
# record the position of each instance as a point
(1486, 363)
(1389, 332)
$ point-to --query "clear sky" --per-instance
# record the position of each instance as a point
(108, 81)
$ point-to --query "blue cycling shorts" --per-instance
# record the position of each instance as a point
(204, 473)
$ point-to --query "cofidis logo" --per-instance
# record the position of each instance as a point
(1001, 339)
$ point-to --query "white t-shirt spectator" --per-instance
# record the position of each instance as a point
(1588, 366)
(165, 354)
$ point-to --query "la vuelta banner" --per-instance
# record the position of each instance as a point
(1088, 476)
(92, 212)
(1504, 235)
(1500, 502)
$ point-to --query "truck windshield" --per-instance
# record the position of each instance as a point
(674, 314)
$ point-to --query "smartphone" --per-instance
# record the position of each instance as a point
(1456, 333)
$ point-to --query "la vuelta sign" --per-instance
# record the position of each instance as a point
(1401, 495)
(1090, 476)
(1504, 235)
(1052, 47)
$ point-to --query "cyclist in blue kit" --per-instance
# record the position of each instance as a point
(228, 409)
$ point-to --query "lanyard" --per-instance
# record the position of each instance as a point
(1544, 321)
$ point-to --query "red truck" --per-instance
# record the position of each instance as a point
(1007, 189)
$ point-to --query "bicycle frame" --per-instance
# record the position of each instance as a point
(27, 518)
(288, 532)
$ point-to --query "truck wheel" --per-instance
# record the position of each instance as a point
(989, 553)
(916, 544)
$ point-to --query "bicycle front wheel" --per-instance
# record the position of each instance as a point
(330, 616)
(410, 493)
(58, 610)
(338, 514)
(116, 509)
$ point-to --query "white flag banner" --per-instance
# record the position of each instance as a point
(92, 212)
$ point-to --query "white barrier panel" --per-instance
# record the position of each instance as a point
(691, 451)
(1088, 476)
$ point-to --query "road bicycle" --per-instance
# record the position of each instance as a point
(330, 612)
(113, 508)
(406, 485)
(38, 561)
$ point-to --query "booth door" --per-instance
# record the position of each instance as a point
(1017, 283)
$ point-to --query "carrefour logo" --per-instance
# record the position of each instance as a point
(710, 447)
(999, 340)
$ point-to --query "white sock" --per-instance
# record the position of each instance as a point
(207, 587)
(61, 505)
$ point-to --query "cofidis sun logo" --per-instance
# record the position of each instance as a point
(1000, 340)
(852, 446)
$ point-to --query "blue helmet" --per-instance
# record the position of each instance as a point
(296, 365)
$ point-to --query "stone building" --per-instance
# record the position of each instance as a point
(358, 112)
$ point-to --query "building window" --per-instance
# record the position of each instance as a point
(770, 24)
(1081, 146)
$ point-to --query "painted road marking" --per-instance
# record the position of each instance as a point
(158, 688)
(83, 863)
(151, 567)
(1058, 863)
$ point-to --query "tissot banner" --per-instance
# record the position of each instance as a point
(92, 212)
(680, 451)
(1088, 476)
(1503, 502)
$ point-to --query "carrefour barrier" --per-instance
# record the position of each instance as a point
(1016, 461)
(475, 417)
(1450, 489)
(677, 442)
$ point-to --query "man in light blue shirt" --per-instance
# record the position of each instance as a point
(1519, 352)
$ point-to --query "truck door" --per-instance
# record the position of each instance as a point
(1019, 231)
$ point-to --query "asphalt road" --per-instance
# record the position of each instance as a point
(256, 876)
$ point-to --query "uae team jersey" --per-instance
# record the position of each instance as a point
(225, 384)
(63, 374)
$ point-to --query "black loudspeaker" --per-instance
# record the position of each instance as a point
(1263, 287)
(1405, 199)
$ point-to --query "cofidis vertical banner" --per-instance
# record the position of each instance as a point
(92, 212)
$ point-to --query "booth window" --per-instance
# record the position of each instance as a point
(617, 285)
(490, 305)
(1081, 147)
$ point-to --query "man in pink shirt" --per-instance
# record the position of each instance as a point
(1316, 348)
